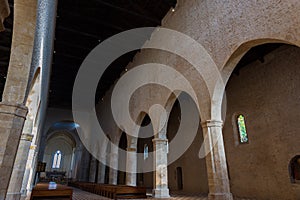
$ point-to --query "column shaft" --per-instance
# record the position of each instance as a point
(101, 173)
(218, 182)
(11, 124)
(15, 184)
(26, 184)
(161, 168)
(131, 167)
(93, 169)
(113, 171)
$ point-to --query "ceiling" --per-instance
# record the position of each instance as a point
(81, 25)
(5, 43)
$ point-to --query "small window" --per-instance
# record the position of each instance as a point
(243, 137)
(146, 151)
(56, 160)
(295, 169)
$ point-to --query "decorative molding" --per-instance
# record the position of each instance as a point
(131, 149)
(27, 137)
(18, 110)
(212, 123)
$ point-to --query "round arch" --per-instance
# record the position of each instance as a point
(229, 66)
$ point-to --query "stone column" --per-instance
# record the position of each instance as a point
(102, 162)
(15, 184)
(101, 173)
(84, 166)
(4, 12)
(217, 174)
(26, 184)
(12, 109)
(93, 169)
(161, 189)
(113, 170)
(77, 161)
(12, 119)
(131, 166)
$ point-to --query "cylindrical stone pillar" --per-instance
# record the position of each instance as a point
(101, 171)
(131, 166)
(93, 169)
(218, 181)
(15, 184)
(113, 170)
(11, 124)
(26, 184)
(161, 189)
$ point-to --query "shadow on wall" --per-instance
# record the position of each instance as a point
(266, 92)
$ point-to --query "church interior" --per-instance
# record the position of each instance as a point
(193, 99)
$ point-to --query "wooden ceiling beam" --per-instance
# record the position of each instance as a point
(71, 30)
(75, 46)
(154, 20)
(92, 20)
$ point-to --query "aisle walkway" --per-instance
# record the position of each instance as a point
(82, 195)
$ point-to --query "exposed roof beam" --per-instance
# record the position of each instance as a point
(128, 11)
(59, 42)
(3, 63)
(69, 56)
(3, 48)
(78, 32)
(93, 20)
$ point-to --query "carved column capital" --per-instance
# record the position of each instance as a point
(160, 140)
(131, 149)
(212, 123)
(27, 137)
(18, 110)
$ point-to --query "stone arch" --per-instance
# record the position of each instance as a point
(54, 129)
(229, 66)
(21, 52)
(33, 97)
(59, 140)
(294, 169)
(144, 175)
(72, 138)
(242, 49)
(4, 13)
(67, 129)
(264, 88)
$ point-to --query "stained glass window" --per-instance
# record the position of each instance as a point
(56, 160)
(146, 151)
(242, 129)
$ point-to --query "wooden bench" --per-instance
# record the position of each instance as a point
(42, 191)
(112, 191)
(129, 192)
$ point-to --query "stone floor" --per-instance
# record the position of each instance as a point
(82, 195)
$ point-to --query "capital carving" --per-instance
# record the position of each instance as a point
(131, 149)
(212, 123)
(27, 137)
(159, 140)
(18, 110)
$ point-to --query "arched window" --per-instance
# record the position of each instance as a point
(56, 160)
(242, 129)
(295, 169)
(146, 151)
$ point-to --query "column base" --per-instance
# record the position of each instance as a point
(161, 193)
(220, 196)
(11, 196)
(131, 184)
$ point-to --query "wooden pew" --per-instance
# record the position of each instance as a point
(129, 192)
(41, 191)
(112, 191)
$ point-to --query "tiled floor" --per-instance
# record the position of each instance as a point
(82, 195)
